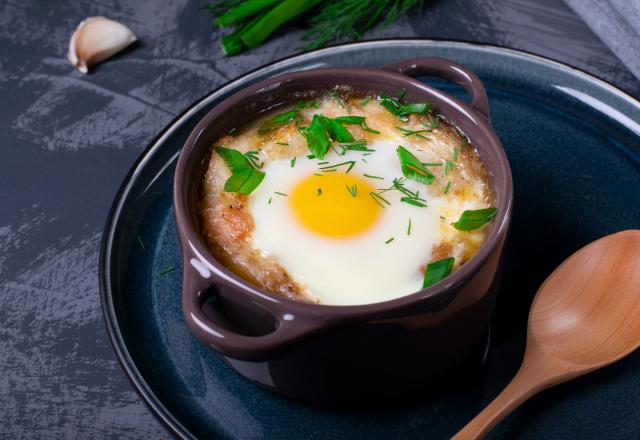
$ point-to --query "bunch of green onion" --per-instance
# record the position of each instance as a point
(326, 21)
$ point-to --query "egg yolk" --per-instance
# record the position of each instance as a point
(335, 205)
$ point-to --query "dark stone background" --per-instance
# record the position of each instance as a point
(67, 140)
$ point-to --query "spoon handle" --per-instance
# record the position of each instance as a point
(525, 384)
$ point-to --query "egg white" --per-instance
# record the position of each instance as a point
(357, 270)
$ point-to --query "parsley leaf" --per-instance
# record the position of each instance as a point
(473, 219)
(437, 271)
(412, 168)
(317, 139)
(244, 177)
(335, 129)
(277, 121)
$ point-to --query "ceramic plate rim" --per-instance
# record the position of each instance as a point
(108, 310)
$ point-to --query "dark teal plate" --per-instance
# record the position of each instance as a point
(574, 146)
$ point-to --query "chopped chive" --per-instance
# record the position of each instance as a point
(168, 270)
(446, 190)
(389, 240)
(413, 201)
(434, 122)
(417, 133)
(319, 192)
(455, 154)
(141, 243)
(269, 202)
(448, 165)
(282, 143)
(373, 177)
(254, 159)
(463, 139)
(409, 228)
(432, 164)
(310, 156)
(353, 190)
(322, 163)
(337, 98)
(401, 94)
(379, 199)
(329, 168)
(293, 161)
(365, 127)
(317, 174)
(365, 101)
(281, 194)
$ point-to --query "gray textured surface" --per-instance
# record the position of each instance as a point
(617, 23)
(68, 140)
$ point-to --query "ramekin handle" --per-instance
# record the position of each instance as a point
(448, 70)
(289, 326)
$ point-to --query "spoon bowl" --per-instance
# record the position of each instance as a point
(585, 315)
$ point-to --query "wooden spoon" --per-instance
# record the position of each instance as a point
(585, 315)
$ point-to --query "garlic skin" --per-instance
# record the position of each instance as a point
(96, 39)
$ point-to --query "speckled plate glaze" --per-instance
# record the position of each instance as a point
(573, 142)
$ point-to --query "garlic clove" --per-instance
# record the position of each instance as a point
(96, 39)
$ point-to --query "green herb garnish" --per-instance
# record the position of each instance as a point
(358, 145)
(293, 161)
(448, 165)
(379, 199)
(389, 240)
(412, 168)
(446, 189)
(277, 121)
(356, 120)
(432, 164)
(337, 98)
(269, 202)
(319, 192)
(253, 158)
(244, 176)
(353, 190)
(414, 202)
(317, 139)
(366, 100)
(416, 133)
(373, 177)
(281, 194)
(437, 271)
(475, 218)
(168, 270)
(463, 139)
(335, 129)
(402, 111)
(307, 104)
(434, 122)
(409, 228)
(328, 168)
(282, 143)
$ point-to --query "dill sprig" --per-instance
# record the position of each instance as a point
(349, 19)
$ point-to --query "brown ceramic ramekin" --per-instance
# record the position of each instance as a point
(340, 354)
